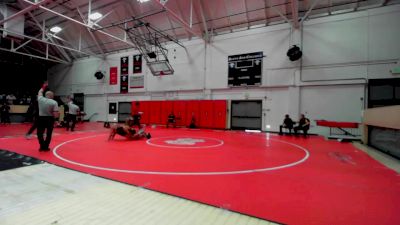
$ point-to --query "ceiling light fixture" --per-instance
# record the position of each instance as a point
(95, 16)
(142, 1)
(55, 29)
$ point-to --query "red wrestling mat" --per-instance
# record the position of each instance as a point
(278, 178)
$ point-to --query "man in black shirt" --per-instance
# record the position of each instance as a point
(304, 125)
(287, 123)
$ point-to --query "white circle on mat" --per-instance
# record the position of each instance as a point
(306, 156)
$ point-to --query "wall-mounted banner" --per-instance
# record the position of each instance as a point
(124, 84)
(124, 65)
(113, 75)
(136, 81)
(137, 63)
(245, 69)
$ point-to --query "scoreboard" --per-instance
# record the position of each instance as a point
(245, 69)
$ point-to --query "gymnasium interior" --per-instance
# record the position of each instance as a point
(209, 86)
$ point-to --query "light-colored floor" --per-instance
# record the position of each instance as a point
(385, 159)
(48, 194)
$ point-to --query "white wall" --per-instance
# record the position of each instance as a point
(337, 103)
(339, 54)
(96, 107)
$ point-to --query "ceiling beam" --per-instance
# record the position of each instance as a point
(207, 9)
(247, 14)
(309, 10)
(83, 24)
(25, 10)
(185, 25)
(46, 42)
(172, 26)
(281, 14)
(294, 5)
(34, 56)
(228, 16)
(41, 52)
(181, 16)
(203, 20)
(266, 12)
(49, 37)
(90, 32)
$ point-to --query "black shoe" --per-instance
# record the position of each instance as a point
(44, 149)
(148, 136)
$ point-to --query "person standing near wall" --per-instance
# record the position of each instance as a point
(5, 113)
(73, 111)
(48, 110)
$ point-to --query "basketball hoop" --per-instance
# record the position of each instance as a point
(160, 68)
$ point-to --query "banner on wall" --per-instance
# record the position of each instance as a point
(113, 75)
(245, 69)
(124, 84)
(137, 63)
(124, 65)
(136, 81)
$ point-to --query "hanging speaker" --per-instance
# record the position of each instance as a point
(294, 53)
(99, 75)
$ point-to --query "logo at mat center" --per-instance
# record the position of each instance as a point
(185, 141)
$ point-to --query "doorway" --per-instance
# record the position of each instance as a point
(246, 115)
(124, 111)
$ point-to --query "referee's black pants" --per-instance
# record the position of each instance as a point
(45, 123)
(71, 118)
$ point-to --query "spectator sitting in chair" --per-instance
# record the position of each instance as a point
(171, 119)
(304, 125)
(287, 123)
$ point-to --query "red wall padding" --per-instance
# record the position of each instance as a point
(219, 115)
(166, 108)
(180, 112)
(193, 110)
(145, 108)
(155, 112)
(207, 113)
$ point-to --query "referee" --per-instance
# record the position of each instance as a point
(48, 110)
(73, 111)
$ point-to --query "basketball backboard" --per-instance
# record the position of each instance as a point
(160, 68)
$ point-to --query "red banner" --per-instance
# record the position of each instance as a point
(113, 75)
